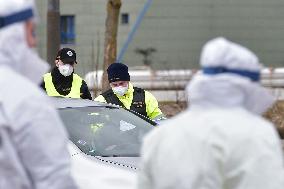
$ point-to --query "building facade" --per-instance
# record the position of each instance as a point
(83, 28)
(172, 33)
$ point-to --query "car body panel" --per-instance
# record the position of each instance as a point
(90, 173)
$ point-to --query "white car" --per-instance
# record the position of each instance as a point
(105, 142)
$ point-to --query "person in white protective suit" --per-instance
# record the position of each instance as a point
(33, 142)
(220, 141)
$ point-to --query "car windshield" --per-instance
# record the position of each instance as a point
(105, 131)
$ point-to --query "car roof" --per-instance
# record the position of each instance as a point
(60, 103)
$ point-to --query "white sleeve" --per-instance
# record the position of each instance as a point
(145, 177)
(41, 142)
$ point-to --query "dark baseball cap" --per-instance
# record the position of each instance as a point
(67, 55)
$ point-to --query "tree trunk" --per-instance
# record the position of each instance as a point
(53, 30)
(110, 46)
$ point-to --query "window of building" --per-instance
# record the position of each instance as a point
(124, 18)
(67, 29)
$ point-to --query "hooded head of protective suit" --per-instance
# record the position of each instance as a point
(230, 77)
(15, 51)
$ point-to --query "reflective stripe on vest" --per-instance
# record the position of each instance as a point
(75, 89)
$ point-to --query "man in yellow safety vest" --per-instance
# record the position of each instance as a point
(62, 81)
(124, 94)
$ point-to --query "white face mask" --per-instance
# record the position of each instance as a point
(120, 90)
(66, 69)
(35, 67)
(15, 53)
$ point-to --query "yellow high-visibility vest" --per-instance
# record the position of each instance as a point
(152, 108)
(75, 89)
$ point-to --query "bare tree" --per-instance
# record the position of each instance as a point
(146, 53)
(110, 47)
(53, 30)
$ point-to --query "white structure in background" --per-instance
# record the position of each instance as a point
(274, 79)
(169, 85)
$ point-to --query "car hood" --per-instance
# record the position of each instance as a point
(102, 172)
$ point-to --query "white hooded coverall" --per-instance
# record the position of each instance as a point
(33, 151)
(219, 142)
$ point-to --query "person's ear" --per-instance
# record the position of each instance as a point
(57, 61)
(30, 33)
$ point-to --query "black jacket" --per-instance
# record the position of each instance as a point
(63, 84)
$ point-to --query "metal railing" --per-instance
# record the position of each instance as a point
(177, 79)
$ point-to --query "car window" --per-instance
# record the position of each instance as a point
(152, 122)
(105, 131)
